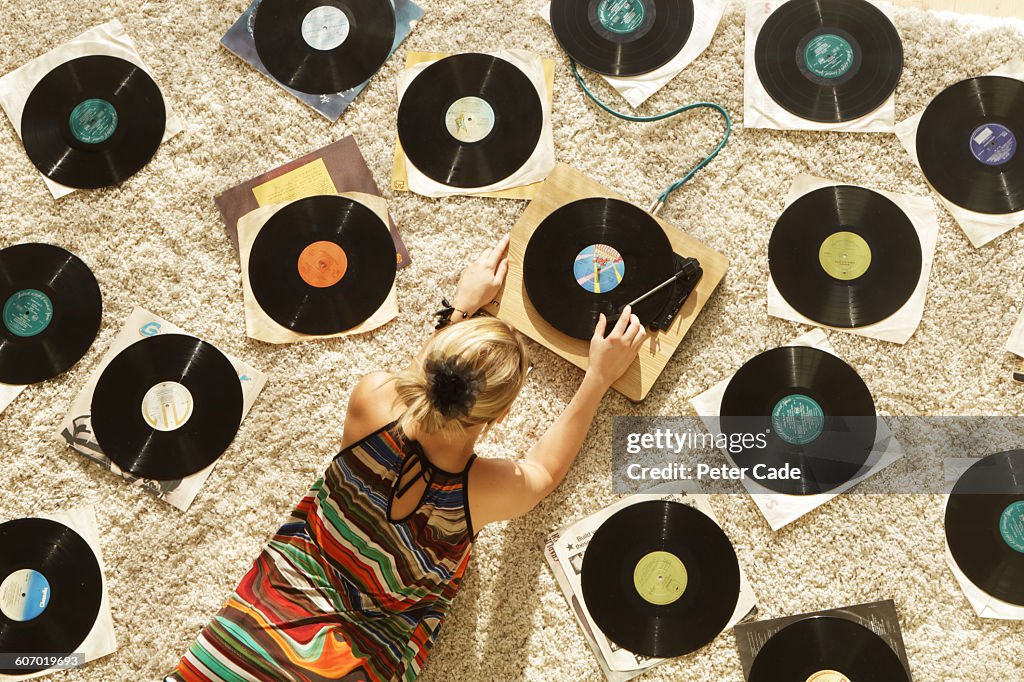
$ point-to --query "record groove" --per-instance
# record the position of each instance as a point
(50, 311)
(828, 61)
(817, 412)
(167, 407)
(323, 46)
(470, 120)
(93, 121)
(845, 256)
(660, 578)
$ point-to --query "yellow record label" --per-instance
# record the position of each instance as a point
(660, 578)
(828, 676)
(845, 255)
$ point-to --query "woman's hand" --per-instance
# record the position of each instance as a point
(611, 356)
(482, 279)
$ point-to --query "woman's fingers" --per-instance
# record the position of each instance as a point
(620, 326)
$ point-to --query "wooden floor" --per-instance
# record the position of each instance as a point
(996, 8)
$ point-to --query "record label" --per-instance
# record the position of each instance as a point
(167, 406)
(829, 56)
(798, 419)
(599, 268)
(993, 144)
(24, 595)
(621, 16)
(828, 676)
(325, 27)
(660, 577)
(93, 121)
(322, 264)
(28, 312)
(469, 119)
(845, 255)
(1011, 526)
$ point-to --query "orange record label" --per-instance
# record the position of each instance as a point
(322, 264)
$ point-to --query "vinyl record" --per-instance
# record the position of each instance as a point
(826, 649)
(323, 46)
(622, 37)
(322, 265)
(816, 412)
(967, 144)
(985, 525)
(594, 256)
(470, 120)
(51, 589)
(166, 407)
(51, 309)
(828, 61)
(845, 256)
(660, 579)
(93, 122)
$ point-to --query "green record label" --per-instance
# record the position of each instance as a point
(844, 255)
(660, 578)
(93, 121)
(27, 312)
(1011, 526)
(798, 419)
(829, 56)
(621, 16)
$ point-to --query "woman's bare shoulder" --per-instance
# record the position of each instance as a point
(371, 405)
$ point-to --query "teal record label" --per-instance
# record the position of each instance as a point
(829, 56)
(27, 313)
(93, 121)
(1011, 526)
(621, 16)
(24, 595)
(798, 419)
(599, 268)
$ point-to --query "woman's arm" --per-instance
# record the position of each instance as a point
(505, 489)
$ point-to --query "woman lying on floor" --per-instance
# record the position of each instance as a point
(355, 585)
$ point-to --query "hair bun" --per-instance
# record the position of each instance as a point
(452, 387)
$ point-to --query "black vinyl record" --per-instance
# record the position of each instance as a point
(660, 579)
(51, 310)
(323, 46)
(51, 589)
(816, 412)
(622, 37)
(322, 265)
(828, 60)
(166, 407)
(985, 525)
(845, 256)
(93, 121)
(470, 120)
(826, 648)
(968, 144)
(594, 256)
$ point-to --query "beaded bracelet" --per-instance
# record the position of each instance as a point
(444, 315)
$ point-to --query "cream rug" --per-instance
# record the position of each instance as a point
(158, 241)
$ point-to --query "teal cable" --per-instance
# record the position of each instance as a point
(663, 197)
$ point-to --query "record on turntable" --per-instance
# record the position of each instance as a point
(93, 121)
(323, 46)
(622, 37)
(985, 525)
(968, 144)
(322, 265)
(829, 61)
(594, 256)
(470, 120)
(845, 256)
(51, 590)
(660, 578)
(817, 412)
(51, 310)
(826, 649)
(166, 407)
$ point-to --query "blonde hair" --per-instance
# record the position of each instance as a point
(468, 374)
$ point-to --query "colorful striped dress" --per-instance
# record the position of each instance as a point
(342, 592)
